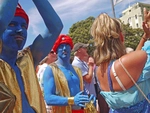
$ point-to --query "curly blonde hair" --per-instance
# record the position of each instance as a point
(106, 33)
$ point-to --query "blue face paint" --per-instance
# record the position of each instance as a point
(64, 51)
(14, 37)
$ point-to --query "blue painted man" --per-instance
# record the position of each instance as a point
(63, 83)
(17, 70)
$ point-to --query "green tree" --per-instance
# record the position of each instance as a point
(80, 32)
(132, 36)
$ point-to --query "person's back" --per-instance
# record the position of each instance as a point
(126, 98)
(123, 78)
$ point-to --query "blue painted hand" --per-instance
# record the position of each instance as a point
(81, 99)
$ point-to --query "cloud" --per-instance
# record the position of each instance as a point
(68, 10)
(71, 11)
(35, 21)
(74, 9)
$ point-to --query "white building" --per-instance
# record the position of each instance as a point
(133, 15)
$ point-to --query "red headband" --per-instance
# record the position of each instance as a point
(63, 39)
(20, 12)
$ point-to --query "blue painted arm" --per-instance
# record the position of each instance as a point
(43, 44)
(7, 11)
(49, 90)
(52, 99)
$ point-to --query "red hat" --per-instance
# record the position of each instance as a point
(63, 39)
(22, 13)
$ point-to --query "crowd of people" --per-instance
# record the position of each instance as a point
(39, 80)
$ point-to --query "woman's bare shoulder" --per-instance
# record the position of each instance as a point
(134, 63)
(134, 58)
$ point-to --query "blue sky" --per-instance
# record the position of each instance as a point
(70, 12)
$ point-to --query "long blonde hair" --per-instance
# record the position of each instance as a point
(106, 33)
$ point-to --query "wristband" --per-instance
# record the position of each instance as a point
(71, 100)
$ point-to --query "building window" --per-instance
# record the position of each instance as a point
(137, 25)
(129, 20)
(135, 16)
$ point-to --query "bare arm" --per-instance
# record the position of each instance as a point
(134, 65)
(142, 41)
(88, 77)
(146, 28)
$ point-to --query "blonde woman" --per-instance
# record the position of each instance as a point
(124, 79)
